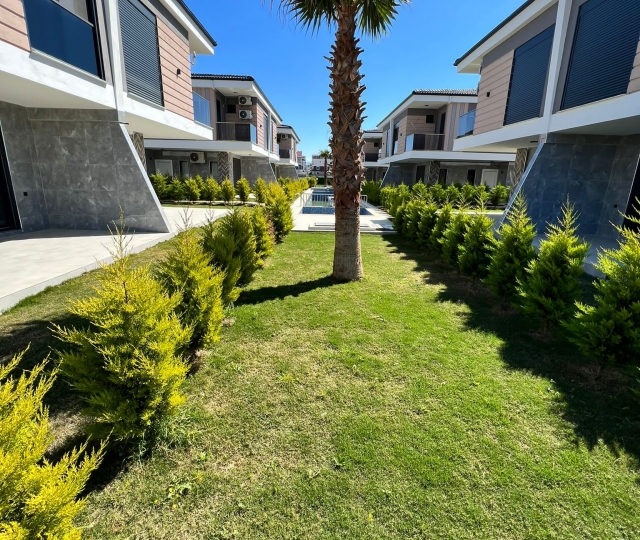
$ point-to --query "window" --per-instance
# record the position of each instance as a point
(164, 166)
(442, 177)
(376, 145)
(140, 51)
(471, 176)
(184, 169)
(231, 108)
(431, 119)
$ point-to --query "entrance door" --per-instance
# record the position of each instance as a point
(237, 170)
(7, 209)
(420, 173)
(489, 177)
(633, 202)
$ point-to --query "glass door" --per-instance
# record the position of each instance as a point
(7, 211)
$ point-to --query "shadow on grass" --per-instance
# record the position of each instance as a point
(599, 407)
(264, 294)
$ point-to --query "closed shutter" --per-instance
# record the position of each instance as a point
(529, 77)
(604, 49)
(140, 50)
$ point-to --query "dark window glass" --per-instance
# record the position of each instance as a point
(376, 145)
(471, 176)
(431, 119)
(66, 34)
(442, 177)
(231, 108)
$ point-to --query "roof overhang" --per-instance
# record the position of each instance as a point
(420, 156)
(471, 61)
(200, 41)
(289, 131)
(426, 101)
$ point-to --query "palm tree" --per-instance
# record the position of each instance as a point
(372, 18)
(326, 154)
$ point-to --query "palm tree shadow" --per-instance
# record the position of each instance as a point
(280, 292)
(600, 408)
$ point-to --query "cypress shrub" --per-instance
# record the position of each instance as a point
(427, 222)
(263, 232)
(211, 190)
(160, 185)
(453, 236)
(231, 246)
(452, 195)
(438, 194)
(443, 218)
(399, 218)
(552, 283)
(191, 190)
(412, 218)
(371, 188)
(279, 210)
(243, 189)
(498, 195)
(38, 499)
(474, 255)
(468, 195)
(175, 189)
(513, 252)
(609, 332)
(419, 191)
(125, 363)
(227, 191)
(261, 191)
(186, 272)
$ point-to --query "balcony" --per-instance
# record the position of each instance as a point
(229, 131)
(466, 123)
(421, 141)
(285, 153)
(64, 35)
(371, 157)
(201, 110)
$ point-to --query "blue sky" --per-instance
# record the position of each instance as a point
(289, 63)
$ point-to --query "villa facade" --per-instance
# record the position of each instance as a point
(245, 134)
(82, 84)
(416, 142)
(560, 87)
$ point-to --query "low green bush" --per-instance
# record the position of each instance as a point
(454, 235)
(552, 283)
(399, 218)
(160, 185)
(261, 191)
(243, 189)
(38, 498)
(191, 190)
(452, 195)
(442, 222)
(413, 216)
(428, 219)
(211, 190)
(513, 252)
(474, 254)
(419, 191)
(609, 332)
(125, 363)
(263, 231)
(227, 191)
(175, 189)
(186, 271)
(279, 209)
(371, 188)
(498, 195)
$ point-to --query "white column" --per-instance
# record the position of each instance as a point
(114, 39)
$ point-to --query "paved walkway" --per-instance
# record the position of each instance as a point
(33, 261)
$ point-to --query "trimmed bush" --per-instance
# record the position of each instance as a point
(454, 235)
(211, 190)
(243, 188)
(419, 191)
(609, 332)
(513, 252)
(552, 284)
(474, 255)
(413, 215)
(313, 181)
(438, 194)
(175, 189)
(160, 185)
(231, 246)
(261, 191)
(371, 188)
(186, 272)
(38, 499)
(125, 363)
(498, 195)
(227, 191)
(191, 190)
(452, 195)
(428, 219)
(263, 232)
(467, 195)
(399, 218)
(279, 210)
(443, 218)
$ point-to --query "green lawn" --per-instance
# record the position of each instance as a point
(404, 406)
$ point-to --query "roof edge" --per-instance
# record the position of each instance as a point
(195, 19)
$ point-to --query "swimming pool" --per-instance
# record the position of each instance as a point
(321, 201)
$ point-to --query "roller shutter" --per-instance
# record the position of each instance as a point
(529, 77)
(140, 50)
(604, 49)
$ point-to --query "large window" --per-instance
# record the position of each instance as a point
(528, 78)
(604, 49)
(140, 50)
(66, 31)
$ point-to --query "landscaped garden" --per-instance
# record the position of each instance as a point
(411, 404)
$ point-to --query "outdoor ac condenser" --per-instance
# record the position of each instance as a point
(196, 157)
(245, 100)
(245, 115)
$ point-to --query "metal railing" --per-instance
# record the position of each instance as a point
(421, 141)
(201, 110)
(285, 153)
(371, 156)
(466, 123)
(229, 131)
(319, 199)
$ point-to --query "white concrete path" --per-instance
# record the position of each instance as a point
(30, 262)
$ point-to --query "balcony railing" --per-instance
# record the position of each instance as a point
(63, 35)
(201, 110)
(229, 131)
(421, 141)
(285, 153)
(466, 123)
(371, 156)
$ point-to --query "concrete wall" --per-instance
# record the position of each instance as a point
(75, 169)
(400, 174)
(596, 172)
(254, 168)
(286, 171)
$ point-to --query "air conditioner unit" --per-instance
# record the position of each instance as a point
(245, 100)
(245, 115)
(196, 157)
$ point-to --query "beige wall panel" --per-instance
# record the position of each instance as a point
(494, 80)
(634, 82)
(174, 55)
(13, 26)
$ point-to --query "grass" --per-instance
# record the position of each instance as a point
(404, 406)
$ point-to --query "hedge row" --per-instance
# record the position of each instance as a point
(129, 359)
(546, 284)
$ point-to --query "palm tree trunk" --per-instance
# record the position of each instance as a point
(346, 145)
